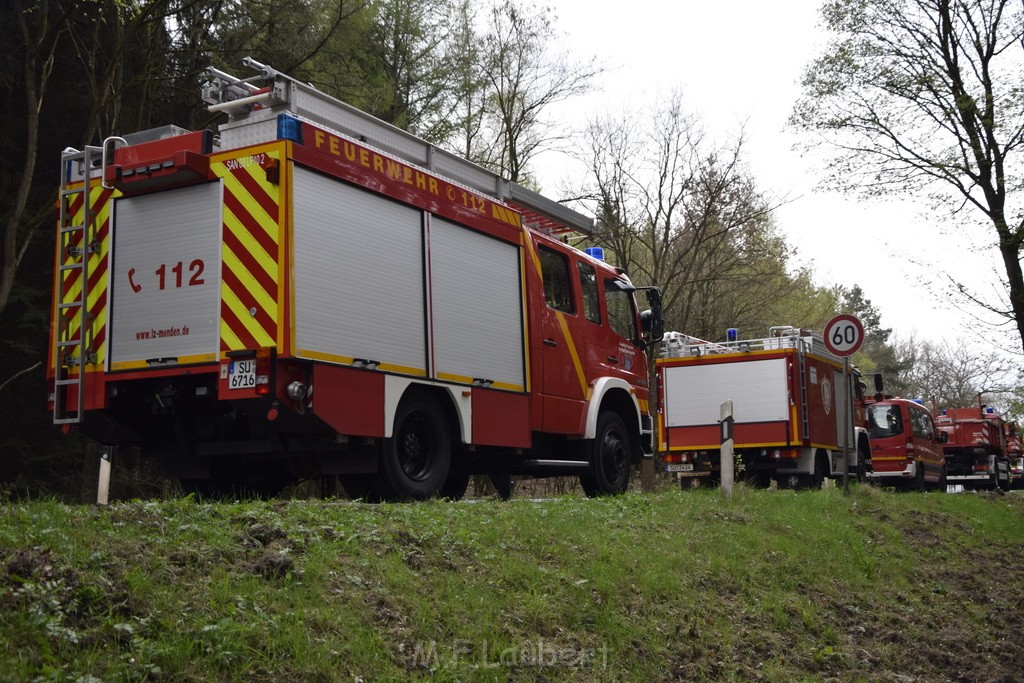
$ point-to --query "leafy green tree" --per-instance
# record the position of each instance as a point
(924, 96)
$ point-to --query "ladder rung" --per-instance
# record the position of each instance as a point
(73, 228)
(74, 266)
(69, 342)
(77, 190)
(67, 382)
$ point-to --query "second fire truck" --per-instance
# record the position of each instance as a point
(789, 409)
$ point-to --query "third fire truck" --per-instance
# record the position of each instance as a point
(978, 447)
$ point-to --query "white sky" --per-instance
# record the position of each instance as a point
(740, 62)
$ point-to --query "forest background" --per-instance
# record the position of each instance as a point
(674, 205)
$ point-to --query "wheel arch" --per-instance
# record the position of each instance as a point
(456, 408)
(614, 394)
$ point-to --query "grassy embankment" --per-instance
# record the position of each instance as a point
(776, 586)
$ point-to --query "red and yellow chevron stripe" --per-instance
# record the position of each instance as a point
(251, 250)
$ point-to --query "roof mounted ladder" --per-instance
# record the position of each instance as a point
(77, 235)
(248, 105)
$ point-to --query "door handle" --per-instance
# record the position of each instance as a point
(550, 342)
(613, 360)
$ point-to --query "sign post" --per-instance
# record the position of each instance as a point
(843, 335)
(726, 461)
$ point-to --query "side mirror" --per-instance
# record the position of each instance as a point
(651, 320)
(942, 437)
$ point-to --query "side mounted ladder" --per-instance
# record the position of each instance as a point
(73, 336)
(805, 419)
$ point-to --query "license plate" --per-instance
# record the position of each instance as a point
(679, 467)
(242, 374)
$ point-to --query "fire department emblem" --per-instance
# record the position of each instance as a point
(826, 396)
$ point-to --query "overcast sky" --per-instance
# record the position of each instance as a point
(739, 62)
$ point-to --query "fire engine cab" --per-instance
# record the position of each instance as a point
(313, 292)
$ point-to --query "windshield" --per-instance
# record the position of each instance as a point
(884, 420)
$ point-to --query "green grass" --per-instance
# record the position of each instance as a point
(776, 586)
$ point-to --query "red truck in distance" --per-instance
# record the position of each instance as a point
(979, 447)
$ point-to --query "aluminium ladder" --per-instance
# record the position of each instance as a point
(77, 240)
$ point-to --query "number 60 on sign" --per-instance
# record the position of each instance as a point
(843, 334)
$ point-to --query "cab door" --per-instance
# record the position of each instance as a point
(564, 389)
(926, 444)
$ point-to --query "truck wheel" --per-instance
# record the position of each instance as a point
(609, 458)
(414, 463)
(863, 461)
(993, 483)
(359, 487)
(502, 482)
(759, 480)
(820, 471)
(455, 485)
(918, 485)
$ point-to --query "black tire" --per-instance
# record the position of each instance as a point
(993, 483)
(863, 461)
(502, 482)
(456, 485)
(817, 478)
(918, 484)
(609, 456)
(759, 480)
(415, 461)
(359, 487)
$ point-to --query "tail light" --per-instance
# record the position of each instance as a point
(910, 449)
(263, 356)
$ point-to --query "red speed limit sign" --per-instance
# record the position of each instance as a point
(844, 334)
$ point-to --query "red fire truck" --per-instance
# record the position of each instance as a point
(789, 409)
(976, 450)
(313, 292)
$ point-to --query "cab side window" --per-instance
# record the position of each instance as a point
(621, 316)
(554, 269)
(922, 424)
(588, 285)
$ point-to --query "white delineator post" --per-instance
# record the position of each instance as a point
(726, 464)
(103, 488)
